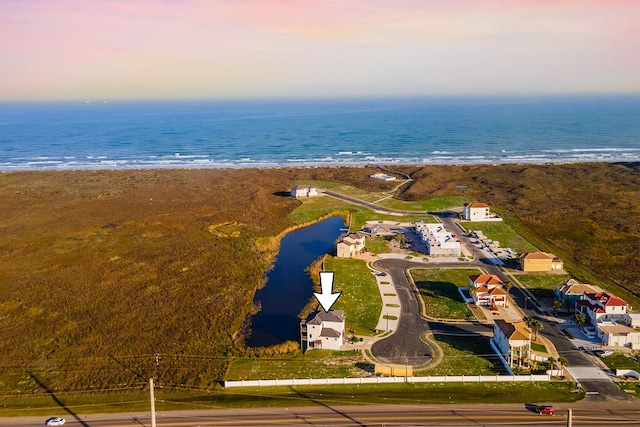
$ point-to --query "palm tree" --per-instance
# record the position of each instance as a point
(563, 361)
(580, 318)
(552, 362)
(527, 320)
(537, 326)
(557, 305)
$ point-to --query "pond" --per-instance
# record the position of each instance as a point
(289, 288)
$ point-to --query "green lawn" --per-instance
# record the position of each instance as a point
(538, 347)
(360, 297)
(377, 245)
(169, 398)
(313, 208)
(435, 204)
(503, 233)
(439, 291)
(465, 355)
(312, 364)
(362, 216)
(359, 193)
(624, 361)
(541, 285)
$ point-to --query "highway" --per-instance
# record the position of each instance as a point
(369, 415)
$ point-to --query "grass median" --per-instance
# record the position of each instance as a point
(168, 398)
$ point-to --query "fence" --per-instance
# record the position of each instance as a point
(389, 380)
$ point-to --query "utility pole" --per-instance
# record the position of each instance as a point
(570, 418)
(153, 404)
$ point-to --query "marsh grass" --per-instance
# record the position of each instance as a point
(104, 271)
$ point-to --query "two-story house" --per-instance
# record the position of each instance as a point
(350, 245)
(478, 212)
(539, 261)
(513, 341)
(304, 191)
(602, 307)
(571, 291)
(323, 330)
(488, 290)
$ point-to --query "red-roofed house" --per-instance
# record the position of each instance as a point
(488, 290)
(602, 306)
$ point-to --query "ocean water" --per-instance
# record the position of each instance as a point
(232, 134)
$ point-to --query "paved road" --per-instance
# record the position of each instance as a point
(403, 345)
(330, 414)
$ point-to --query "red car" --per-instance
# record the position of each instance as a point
(545, 410)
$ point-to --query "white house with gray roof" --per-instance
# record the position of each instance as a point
(323, 330)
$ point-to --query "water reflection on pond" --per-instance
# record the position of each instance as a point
(289, 287)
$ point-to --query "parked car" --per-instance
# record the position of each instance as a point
(605, 353)
(545, 410)
(55, 421)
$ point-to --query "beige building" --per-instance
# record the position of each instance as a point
(539, 261)
(513, 341)
(350, 245)
(619, 335)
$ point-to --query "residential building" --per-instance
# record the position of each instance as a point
(304, 191)
(350, 245)
(513, 341)
(438, 240)
(632, 320)
(488, 290)
(618, 335)
(478, 212)
(571, 291)
(539, 261)
(323, 330)
(602, 307)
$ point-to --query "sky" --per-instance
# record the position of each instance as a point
(186, 49)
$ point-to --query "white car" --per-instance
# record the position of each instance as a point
(55, 421)
(605, 353)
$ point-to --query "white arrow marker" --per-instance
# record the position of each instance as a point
(327, 298)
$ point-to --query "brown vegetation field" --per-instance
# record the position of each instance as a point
(110, 277)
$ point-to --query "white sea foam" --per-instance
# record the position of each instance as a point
(317, 133)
